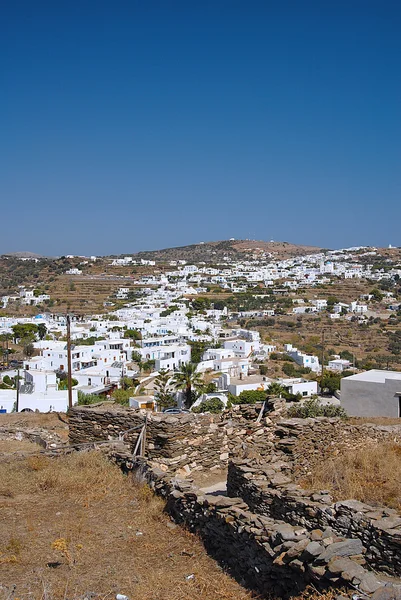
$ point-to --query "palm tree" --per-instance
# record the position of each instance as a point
(164, 396)
(186, 379)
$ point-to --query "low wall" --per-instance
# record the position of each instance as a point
(183, 443)
(272, 557)
(268, 486)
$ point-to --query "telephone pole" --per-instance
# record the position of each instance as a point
(322, 352)
(69, 380)
(17, 399)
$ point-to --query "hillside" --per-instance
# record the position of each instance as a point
(211, 252)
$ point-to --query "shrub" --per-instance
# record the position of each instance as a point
(249, 397)
(212, 405)
(85, 399)
(314, 408)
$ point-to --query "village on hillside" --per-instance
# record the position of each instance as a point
(181, 335)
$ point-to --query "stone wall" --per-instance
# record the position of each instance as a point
(183, 443)
(270, 556)
(270, 533)
(267, 485)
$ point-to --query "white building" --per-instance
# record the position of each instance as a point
(302, 359)
(37, 391)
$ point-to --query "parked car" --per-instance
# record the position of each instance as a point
(176, 411)
(16, 364)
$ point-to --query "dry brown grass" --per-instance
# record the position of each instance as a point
(374, 420)
(52, 422)
(75, 524)
(11, 446)
(371, 474)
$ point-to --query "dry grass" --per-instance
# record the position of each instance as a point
(75, 524)
(11, 446)
(51, 422)
(374, 420)
(371, 474)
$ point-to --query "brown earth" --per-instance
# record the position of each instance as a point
(76, 524)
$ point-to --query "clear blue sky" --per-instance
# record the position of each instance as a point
(131, 125)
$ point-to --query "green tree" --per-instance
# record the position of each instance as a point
(133, 334)
(122, 396)
(24, 330)
(63, 384)
(42, 331)
(275, 390)
(212, 405)
(377, 295)
(330, 382)
(249, 397)
(188, 380)
(163, 392)
(289, 369)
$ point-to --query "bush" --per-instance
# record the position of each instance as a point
(314, 408)
(249, 397)
(85, 399)
(63, 385)
(212, 405)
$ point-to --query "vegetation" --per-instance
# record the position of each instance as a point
(122, 396)
(85, 399)
(106, 529)
(133, 334)
(188, 380)
(63, 384)
(163, 390)
(25, 331)
(212, 405)
(248, 397)
(330, 382)
(314, 408)
(370, 474)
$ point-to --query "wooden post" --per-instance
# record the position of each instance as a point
(69, 366)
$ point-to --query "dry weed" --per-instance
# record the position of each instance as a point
(76, 524)
(371, 474)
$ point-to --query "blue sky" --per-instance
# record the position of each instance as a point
(132, 125)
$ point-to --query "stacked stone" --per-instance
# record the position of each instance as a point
(271, 556)
(311, 441)
(269, 490)
(37, 435)
(181, 443)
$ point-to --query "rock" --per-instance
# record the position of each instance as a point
(389, 592)
(316, 534)
(312, 550)
(369, 583)
(336, 566)
(347, 548)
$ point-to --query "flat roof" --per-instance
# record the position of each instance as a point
(375, 375)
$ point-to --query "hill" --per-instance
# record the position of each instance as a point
(23, 254)
(211, 252)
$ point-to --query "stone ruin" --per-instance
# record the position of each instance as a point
(272, 535)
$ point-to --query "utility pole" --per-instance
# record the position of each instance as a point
(17, 400)
(322, 352)
(69, 362)
(7, 356)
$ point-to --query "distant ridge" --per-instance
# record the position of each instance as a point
(235, 249)
(23, 254)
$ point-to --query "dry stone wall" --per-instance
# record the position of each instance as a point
(272, 535)
(268, 555)
(267, 485)
(183, 443)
